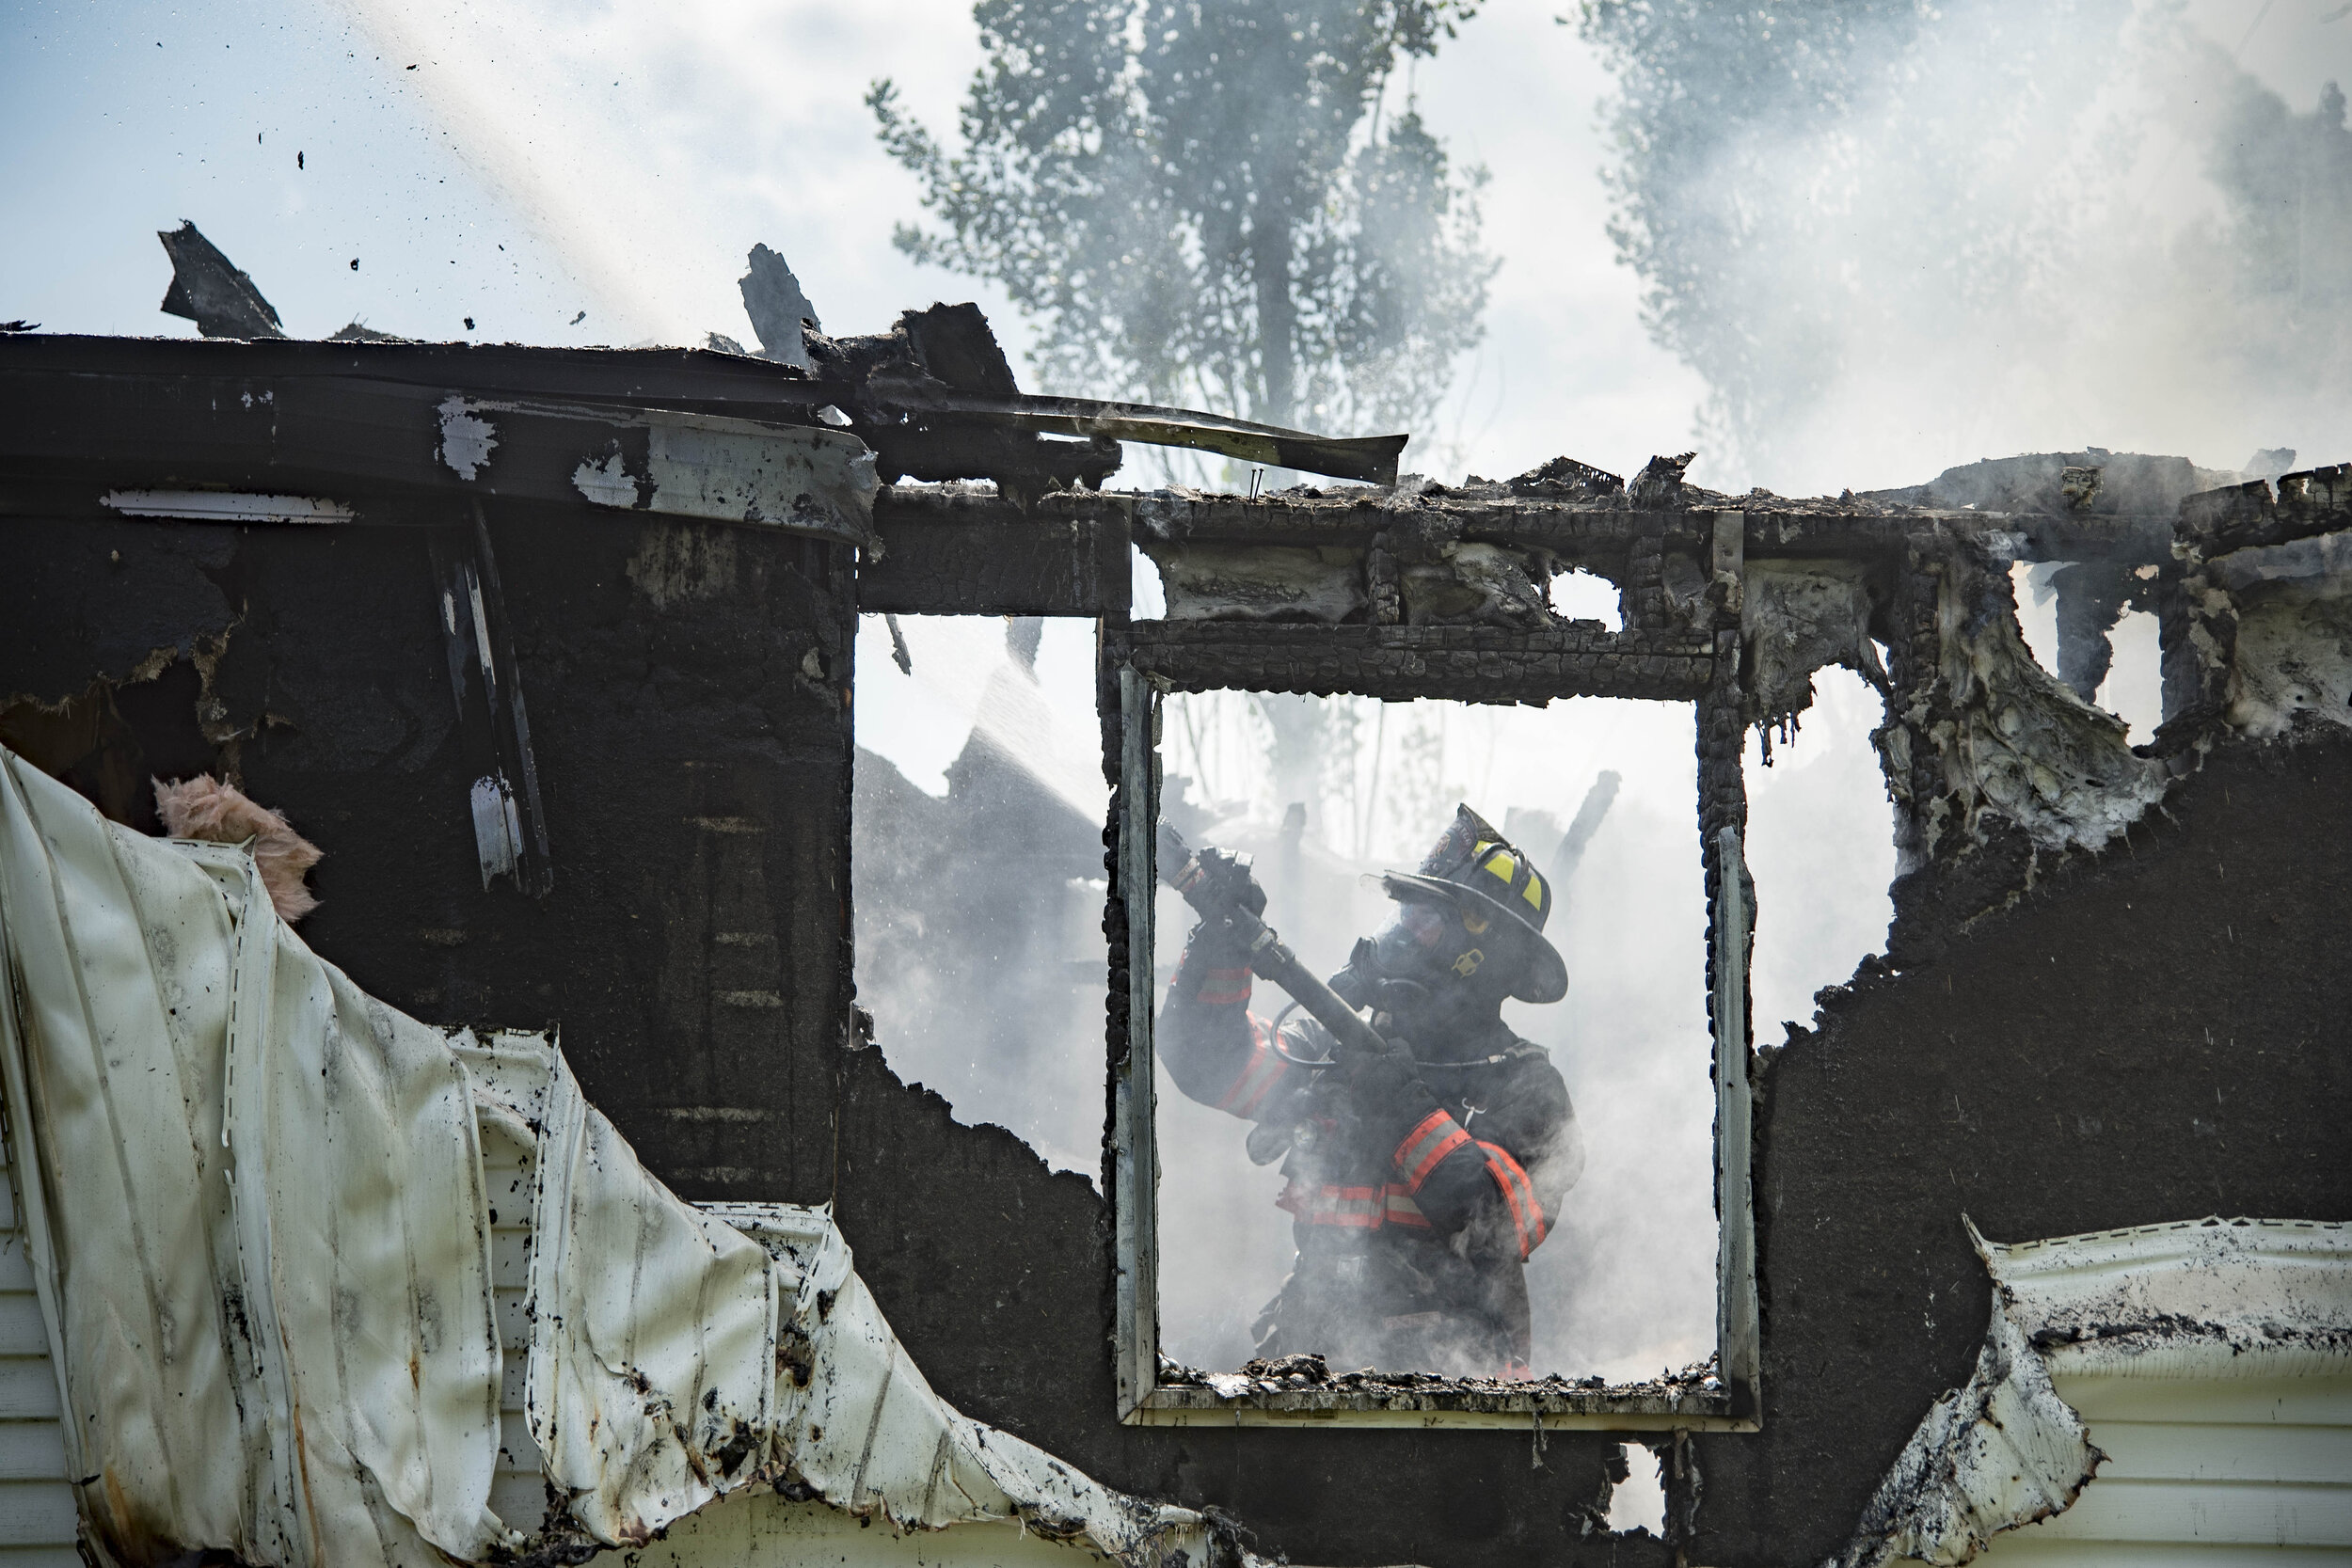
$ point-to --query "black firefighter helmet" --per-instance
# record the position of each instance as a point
(1486, 879)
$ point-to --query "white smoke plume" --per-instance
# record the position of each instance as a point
(1998, 226)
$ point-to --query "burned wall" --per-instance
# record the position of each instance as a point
(2155, 1032)
(695, 777)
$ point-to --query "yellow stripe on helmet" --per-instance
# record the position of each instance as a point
(1499, 860)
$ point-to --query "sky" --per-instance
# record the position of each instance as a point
(495, 163)
(595, 174)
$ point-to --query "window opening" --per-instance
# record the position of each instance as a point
(2134, 689)
(1147, 595)
(1598, 1111)
(977, 870)
(1821, 847)
(2092, 624)
(2037, 610)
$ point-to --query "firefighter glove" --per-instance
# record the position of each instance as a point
(1387, 1082)
(1228, 876)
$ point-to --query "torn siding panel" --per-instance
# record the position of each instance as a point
(363, 1257)
(2273, 1297)
(2258, 1301)
(2003, 1452)
(653, 1338)
(140, 1305)
(869, 1436)
(342, 1170)
(210, 1106)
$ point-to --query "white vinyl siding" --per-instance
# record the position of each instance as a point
(2214, 1472)
(36, 1522)
(519, 1492)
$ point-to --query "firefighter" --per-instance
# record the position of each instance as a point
(1420, 1177)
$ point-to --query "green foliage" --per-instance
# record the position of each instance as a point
(1202, 202)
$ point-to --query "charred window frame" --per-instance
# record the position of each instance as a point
(1687, 659)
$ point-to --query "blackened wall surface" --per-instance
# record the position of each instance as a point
(687, 690)
(2153, 1035)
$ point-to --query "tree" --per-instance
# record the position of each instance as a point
(1828, 197)
(1204, 204)
(1710, 96)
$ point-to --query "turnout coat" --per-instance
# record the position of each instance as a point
(1414, 1216)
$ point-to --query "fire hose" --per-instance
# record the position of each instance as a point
(1269, 960)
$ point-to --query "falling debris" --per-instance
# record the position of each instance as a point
(898, 654)
(19, 327)
(576, 320)
(469, 323)
(298, 160)
(208, 289)
(354, 264)
(773, 300)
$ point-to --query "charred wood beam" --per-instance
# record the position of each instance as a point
(1590, 532)
(395, 432)
(1466, 663)
(2230, 539)
(954, 550)
(693, 380)
(936, 386)
(948, 552)
(975, 426)
(2315, 501)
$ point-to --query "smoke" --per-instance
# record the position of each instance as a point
(1624, 1286)
(976, 871)
(978, 865)
(1894, 238)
